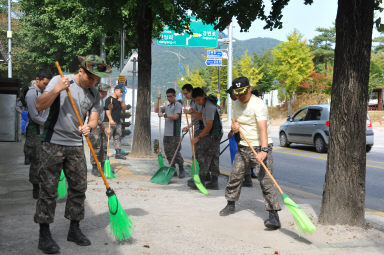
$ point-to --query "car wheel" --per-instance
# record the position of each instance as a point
(283, 140)
(320, 144)
(368, 148)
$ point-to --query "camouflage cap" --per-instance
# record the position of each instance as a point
(103, 87)
(95, 65)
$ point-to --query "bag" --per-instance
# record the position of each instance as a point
(23, 94)
(212, 98)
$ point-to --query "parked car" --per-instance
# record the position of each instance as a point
(310, 125)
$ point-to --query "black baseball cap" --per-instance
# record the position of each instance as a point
(240, 86)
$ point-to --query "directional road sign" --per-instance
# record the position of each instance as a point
(214, 54)
(203, 36)
(214, 62)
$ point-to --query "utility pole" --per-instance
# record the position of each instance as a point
(229, 68)
(134, 60)
(122, 48)
(9, 36)
(218, 86)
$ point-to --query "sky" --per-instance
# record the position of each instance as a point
(296, 15)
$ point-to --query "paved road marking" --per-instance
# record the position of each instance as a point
(323, 158)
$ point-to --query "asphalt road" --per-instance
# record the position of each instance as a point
(300, 167)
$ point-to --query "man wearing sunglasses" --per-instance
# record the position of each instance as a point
(62, 147)
(172, 128)
(251, 115)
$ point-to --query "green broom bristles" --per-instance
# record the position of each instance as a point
(120, 223)
(62, 187)
(301, 219)
(107, 170)
(195, 170)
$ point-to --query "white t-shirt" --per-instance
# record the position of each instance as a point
(248, 115)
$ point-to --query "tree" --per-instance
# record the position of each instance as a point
(265, 62)
(376, 73)
(247, 68)
(346, 164)
(293, 64)
(193, 78)
(61, 31)
(322, 47)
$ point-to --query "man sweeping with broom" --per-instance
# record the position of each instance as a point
(251, 113)
(62, 147)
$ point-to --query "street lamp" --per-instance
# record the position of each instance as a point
(179, 57)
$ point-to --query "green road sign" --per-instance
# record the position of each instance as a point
(204, 36)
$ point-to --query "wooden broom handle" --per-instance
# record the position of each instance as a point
(261, 162)
(109, 127)
(81, 124)
(191, 137)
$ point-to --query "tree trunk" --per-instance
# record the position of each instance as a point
(290, 105)
(344, 189)
(142, 134)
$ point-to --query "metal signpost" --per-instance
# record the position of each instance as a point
(214, 53)
(213, 62)
(203, 36)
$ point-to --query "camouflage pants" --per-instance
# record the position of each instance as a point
(116, 133)
(28, 147)
(99, 144)
(244, 160)
(72, 160)
(33, 148)
(209, 154)
(170, 145)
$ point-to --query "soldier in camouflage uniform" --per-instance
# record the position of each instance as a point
(36, 120)
(114, 105)
(63, 147)
(208, 139)
(251, 113)
(98, 136)
(172, 127)
(197, 124)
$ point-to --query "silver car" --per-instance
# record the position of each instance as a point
(310, 125)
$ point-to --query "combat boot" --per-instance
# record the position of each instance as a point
(46, 243)
(213, 184)
(75, 235)
(247, 181)
(273, 221)
(228, 209)
(35, 191)
(191, 183)
(95, 171)
(181, 172)
(119, 155)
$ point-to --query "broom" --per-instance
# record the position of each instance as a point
(107, 165)
(120, 223)
(62, 187)
(195, 165)
(301, 219)
(159, 155)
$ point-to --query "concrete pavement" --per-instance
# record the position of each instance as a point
(171, 219)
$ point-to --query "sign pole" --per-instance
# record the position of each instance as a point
(229, 75)
(9, 35)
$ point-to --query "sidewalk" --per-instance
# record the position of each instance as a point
(171, 219)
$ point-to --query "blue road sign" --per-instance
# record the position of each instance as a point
(214, 54)
(214, 62)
